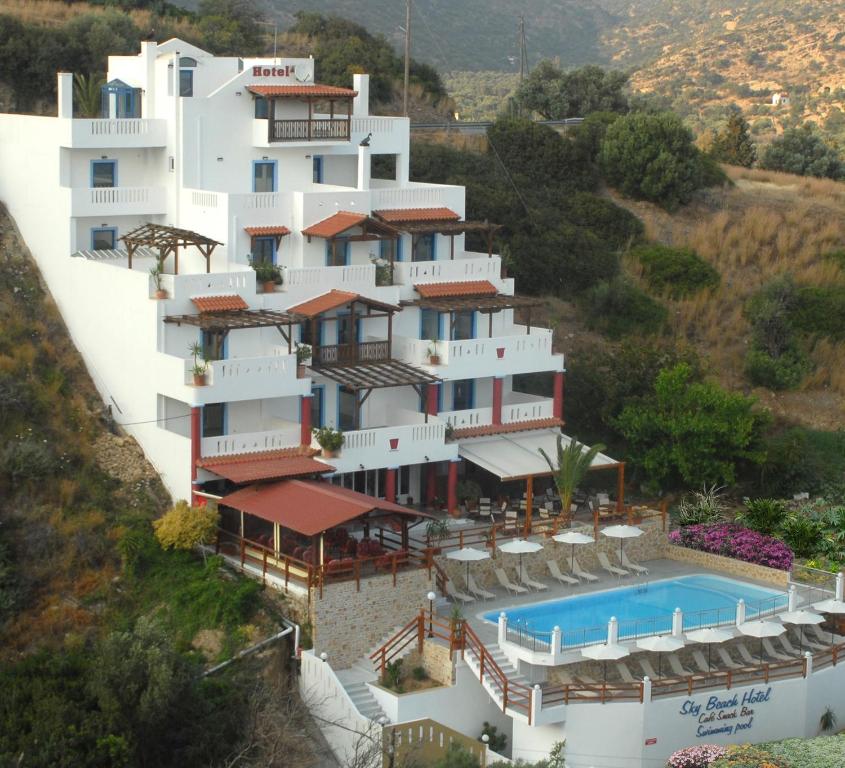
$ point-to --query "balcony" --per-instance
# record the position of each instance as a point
(118, 201)
(350, 354)
(518, 407)
(468, 266)
(409, 440)
(251, 442)
(355, 278)
(318, 129)
(121, 133)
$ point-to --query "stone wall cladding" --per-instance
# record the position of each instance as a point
(437, 661)
(729, 565)
(650, 546)
(348, 624)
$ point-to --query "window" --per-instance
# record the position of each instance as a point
(391, 250)
(213, 345)
(264, 176)
(214, 420)
(429, 324)
(463, 394)
(103, 239)
(422, 247)
(317, 169)
(346, 409)
(186, 82)
(464, 326)
(337, 252)
(104, 173)
(318, 409)
(345, 333)
(262, 108)
(264, 250)
(312, 333)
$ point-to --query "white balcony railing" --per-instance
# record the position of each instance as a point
(470, 417)
(417, 196)
(362, 275)
(123, 132)
(540, 409)
(254, 378)
(251, 442)
(480, 268)
(117, 201)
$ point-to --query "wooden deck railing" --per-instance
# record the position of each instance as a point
(308, 130)
(347, 354)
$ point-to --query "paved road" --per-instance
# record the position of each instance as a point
(464, 126)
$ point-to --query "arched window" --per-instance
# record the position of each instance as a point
(187, 61)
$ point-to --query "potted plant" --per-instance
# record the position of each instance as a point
(268, 274)
(330, 440)
(156, 272)
(469, 492)
(200, 365)
(435, 532)
(303, 355)
(383, 271)
(449, 432)
(433, 357)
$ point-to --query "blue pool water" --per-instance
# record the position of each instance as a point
(643, 608)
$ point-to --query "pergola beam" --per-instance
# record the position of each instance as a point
(167, 240)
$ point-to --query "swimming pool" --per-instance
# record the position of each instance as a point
(642, 609)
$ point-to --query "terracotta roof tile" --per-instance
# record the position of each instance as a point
(298, 91)
(335, 224)
(269, 465)
(219, 303)
(465, 288)
(500, 429)
(401, 215)
(323, 303)
(280, 231)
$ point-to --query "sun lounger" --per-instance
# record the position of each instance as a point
(818, 635)
(646, 667)
(625, 673)
(556, 573)
(508, 584)
(701, 662)
(726, 658)
(631, 566)
(580, 573)
(457, 595)
(676, 666)
(746, 656)
(611, 569)
(478, 591)
(787, 645)
(527, 581)
(809, 643)
(773, 652)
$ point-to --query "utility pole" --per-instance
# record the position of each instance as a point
(407, 56)
(523, 50)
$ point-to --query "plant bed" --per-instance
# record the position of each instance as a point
(734, 541)
(399, 679)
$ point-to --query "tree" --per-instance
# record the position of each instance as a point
(732, 144)
(652, 157)
(571, 466)
(184, 527)
(802, 151)
(556, 94)
(86, 95)
(230, 27)
(689, 432)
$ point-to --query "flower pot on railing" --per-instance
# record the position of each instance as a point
(303, 356)
(330, 441)
(161, 294)
(199, 379)
(269, 286)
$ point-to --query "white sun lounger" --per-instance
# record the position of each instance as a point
(809, 643)
(773, 652)
(821, 636)
(456, 594)
(636, 567)
(610, 568)
(676, 666)
(727, 659)
(787, 645)
(646, 667)
(478, 591)
(701, 662)
(527, 581)
(556, 573)
(580, 573)
(625, 673)
(746, 656)
(507, 583)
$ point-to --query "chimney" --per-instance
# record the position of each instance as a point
(363, 168)
(361, 104)
(65, 94)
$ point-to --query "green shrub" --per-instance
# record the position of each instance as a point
(803, 151)
(800, 459)
(618, 226)
(618, 308)
(419, 673)
(498, 741)
(702, 507)
(820, 311)
(801, 533)
(676, 271)
(821, 752)
(762, 515)
(783, 372)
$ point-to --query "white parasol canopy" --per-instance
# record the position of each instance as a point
(761, 629)
(520, 547)
(605, 652)
(468, 555)
(622, 532)
(830, 606)
(573, 538)
(710, 635)
(661, 644)
(802, 619)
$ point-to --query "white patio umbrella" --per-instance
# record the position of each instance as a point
(661, 644)
(604, 653)
(520, 547)
(831, 605)
(761, 629)
(710, 635)
(468, 555)
(573, 538)
(801, 619)
(622, 532)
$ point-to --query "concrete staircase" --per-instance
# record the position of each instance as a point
(364, 701)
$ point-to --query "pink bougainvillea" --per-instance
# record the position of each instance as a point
(696, 757)
(737, 542)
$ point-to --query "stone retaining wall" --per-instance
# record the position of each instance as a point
(729, 565)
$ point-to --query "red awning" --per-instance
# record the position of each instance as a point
(309, 507)
(219, 303)
(451, 290)
(335, 224)
(334, 299)
(300, 91)
(279, 231)
(271, 465)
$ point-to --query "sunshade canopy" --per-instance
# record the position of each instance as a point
(801, 617)
(661, 643)
(573, 537)
(710, 635)
(605, 652)
(761, 629)
(622, 531)
(830, 606)
(468, 555)
(517, 455)
(310, 507)
(520, 547)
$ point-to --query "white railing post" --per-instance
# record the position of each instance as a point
(840, 586)
(503, 627)
(612, 631)
(646, 689)
(536, 702)
(677, 622)
(808, 660)
(793, 598)
(556, 643)
(740, 612)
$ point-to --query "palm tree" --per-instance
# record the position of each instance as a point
(572, 465)
(86, 94)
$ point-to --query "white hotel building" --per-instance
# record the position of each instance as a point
(236, 151)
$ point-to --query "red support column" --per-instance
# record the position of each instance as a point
(558, 395)
(497, 400)
(452, 494)
(305, 420)
(196, 448)
(431, 399)
(431, 484)
(390, 484)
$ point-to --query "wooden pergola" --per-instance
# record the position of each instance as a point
(488, 305)
(167, 240)
(450, 229)
(224, 321)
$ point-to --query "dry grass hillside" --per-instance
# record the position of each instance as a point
(58, 12)
(766, 225)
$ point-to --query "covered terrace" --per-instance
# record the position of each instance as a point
(166, 240)
(422, 222)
